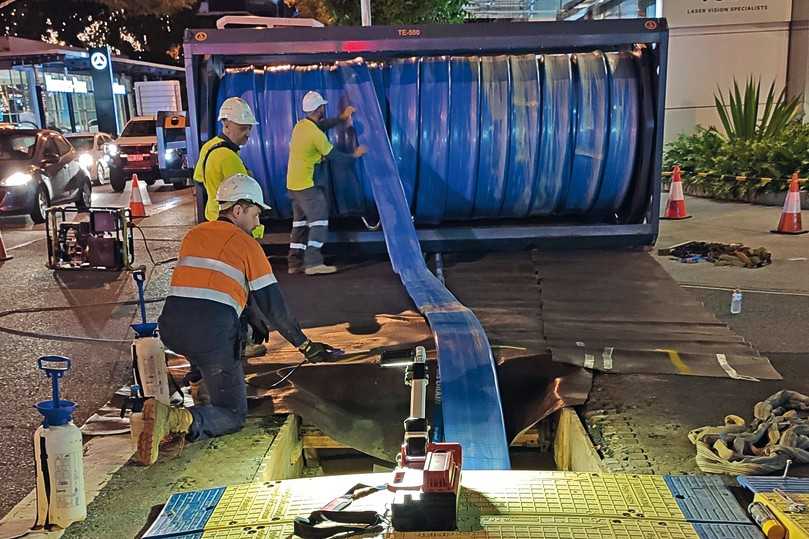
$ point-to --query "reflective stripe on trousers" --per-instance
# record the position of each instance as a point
(309, 206)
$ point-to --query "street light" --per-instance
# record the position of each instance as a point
(365, 9)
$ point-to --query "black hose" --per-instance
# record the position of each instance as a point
(148, 251)
(67, 338)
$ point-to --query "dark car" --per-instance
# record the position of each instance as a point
(39, 168)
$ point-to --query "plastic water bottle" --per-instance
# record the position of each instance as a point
(736, 302)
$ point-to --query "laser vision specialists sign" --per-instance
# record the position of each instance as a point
(721, 12)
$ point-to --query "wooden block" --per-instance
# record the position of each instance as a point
(573, 450)
(311, 457)
(284, 460)
(321, 441)
(529, 438)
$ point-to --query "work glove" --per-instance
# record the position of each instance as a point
(257, 321)
(317, 352)
(260, 333)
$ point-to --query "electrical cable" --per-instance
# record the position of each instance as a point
(287, 375)
(149, 251)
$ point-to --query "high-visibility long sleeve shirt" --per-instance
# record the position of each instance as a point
(211, 170)
(218, 269)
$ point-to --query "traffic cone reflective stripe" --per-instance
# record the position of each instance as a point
(136, 200)
(790, 222)
(675, 206)
(3, 253)
(144, 194)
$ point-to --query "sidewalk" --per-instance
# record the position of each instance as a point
(101, 357)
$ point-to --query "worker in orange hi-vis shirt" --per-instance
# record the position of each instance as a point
(220, 269)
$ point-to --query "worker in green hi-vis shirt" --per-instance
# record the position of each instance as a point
(219, 157)
(310, 205)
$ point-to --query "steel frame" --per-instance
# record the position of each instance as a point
(208, 52)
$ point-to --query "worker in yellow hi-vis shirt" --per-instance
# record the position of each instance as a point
(219, 157)
(310, 206)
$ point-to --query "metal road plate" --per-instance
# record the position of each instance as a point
(727, 531)
(759, 483)
(705, 499)
(273, 531)
(569, 527)
(569, 493)
(185, 512)
(249, 504)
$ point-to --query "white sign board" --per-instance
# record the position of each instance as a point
(69, 86)
(79, 86)
(681, 13)
(118, 89)
(58, 85)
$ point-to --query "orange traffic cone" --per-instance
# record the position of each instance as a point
(675, 206)
(136, 199)
(790, 222)
(3, 253)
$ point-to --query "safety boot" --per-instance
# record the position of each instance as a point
(254, 350)
(320, 269)
(294, 264)
(158, 421)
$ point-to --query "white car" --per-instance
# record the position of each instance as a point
(92, 157)
(134, 152)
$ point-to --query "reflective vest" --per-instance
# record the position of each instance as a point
(220, 262)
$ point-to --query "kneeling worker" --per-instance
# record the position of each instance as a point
(220, 267)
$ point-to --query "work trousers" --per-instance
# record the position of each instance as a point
(310, 227)
(223, 375)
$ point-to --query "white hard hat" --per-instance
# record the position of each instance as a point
(241, 187)
(312, 100)
(237, 111)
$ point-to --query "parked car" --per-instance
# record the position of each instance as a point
(135, 152)
(92, 155)
(39, 168)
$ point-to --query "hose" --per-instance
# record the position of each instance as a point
(149, 251)
(67, 338)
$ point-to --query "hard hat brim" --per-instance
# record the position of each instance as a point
(254, 122)
(320, 104)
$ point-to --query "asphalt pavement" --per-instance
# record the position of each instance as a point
(94, 332)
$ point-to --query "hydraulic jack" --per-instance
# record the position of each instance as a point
(427, 478)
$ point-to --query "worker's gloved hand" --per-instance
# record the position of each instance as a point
(360, 151)
(347, 112)
(316, 351)
(260, 333)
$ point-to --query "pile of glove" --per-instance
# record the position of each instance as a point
(721, 254)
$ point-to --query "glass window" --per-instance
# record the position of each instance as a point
(84, 108)
(15, 97)
(144, 128)
(17, 146)
(50, 147)
(62, 145)
(82, 143)
(57, 113)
